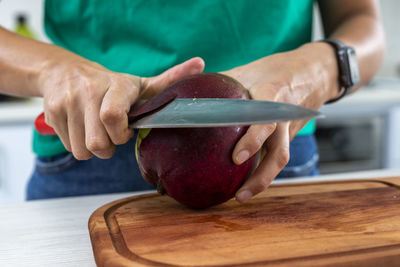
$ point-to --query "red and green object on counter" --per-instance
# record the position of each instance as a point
(46, 143)
(42, 127)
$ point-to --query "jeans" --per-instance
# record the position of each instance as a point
(303, 158)
(63, 175)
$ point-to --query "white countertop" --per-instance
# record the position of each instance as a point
(49, 232)
(55, 232)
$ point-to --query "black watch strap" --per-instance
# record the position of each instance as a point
(344, 62)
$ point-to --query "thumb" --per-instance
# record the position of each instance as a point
(153, 85)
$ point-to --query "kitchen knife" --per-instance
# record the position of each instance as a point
(208, 112)
(219, 112)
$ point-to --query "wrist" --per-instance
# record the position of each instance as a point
(61, 65)
(52, 67)
(322, 65)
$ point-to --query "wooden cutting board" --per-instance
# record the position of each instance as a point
(341, 223)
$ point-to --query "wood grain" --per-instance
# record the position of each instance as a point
(346, 223)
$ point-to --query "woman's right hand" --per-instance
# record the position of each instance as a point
(87, 104)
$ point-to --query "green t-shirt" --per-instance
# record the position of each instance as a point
(145, 38)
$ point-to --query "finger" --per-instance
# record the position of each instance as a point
(57, 119)
(274, 161)
(77, 136)
(252, 141)
(61, 129)
(114, 109)
(155, 84)
(96, 138)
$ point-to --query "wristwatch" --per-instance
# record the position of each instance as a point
(349, 75)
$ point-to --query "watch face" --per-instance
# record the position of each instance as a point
(353, 66)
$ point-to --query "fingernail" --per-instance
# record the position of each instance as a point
(244, 196)
(242, 156)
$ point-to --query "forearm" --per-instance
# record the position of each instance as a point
(363, 31)
(365, 35)
(23, 61)
(359, 26)
(308, 76)
(367, 42)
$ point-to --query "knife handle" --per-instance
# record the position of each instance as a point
(42, 127)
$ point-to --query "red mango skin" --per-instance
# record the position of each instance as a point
(194, 165)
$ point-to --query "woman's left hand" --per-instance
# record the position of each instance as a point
(306, 76)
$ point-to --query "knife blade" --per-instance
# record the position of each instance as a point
(220, 112)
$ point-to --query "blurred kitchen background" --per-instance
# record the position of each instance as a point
(359, 133)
